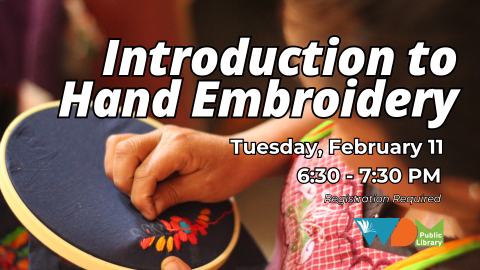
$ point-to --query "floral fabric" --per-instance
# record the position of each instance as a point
(14, 250)
(318, 235)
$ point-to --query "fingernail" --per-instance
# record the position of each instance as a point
(173, 265)
(148, 215)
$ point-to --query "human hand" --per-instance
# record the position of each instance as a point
(203, 165)
(174, 263)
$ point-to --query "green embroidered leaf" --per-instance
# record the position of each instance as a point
(305, 238)
(290, 210)
(7, 240)
(22, 253)
(295, 243)
(304, 203)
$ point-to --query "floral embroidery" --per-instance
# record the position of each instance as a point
(14, 250)
(161, 243)
(305, 214)
(331, 240)
(178, 230)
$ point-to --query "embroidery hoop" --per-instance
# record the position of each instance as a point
(58, 244)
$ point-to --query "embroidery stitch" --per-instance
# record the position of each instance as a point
(342, 243)
(161, 243)
(305, 214)
(178, 230)
(14, 250)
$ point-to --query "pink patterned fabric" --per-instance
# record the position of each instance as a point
(318, 235)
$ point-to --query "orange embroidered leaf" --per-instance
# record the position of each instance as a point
(192, 238)
(146, 242)
(23, 264)
(167, 225)
(204, 218)
(21, 240)
(170, 244)
(177, 241)
(161, 243)
(183, 236)
(175, 225)
(205, 211)
(176, 219)
(201, 223)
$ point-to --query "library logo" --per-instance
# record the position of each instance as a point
(401, 231)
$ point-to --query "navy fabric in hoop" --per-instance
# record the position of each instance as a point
(55, 166)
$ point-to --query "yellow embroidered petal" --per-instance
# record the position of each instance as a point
(170, 244)
(161, 243)
(151, 241)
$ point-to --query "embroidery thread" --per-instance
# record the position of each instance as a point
(305, 214)
(14, 250)
(180, 230)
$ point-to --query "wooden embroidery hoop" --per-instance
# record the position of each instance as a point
(55, 242)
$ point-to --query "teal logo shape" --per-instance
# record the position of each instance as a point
(381, 227)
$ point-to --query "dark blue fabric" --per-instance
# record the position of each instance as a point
(41, 258)
(56, 166)
(245, 256)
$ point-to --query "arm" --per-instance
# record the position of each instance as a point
(199, 166)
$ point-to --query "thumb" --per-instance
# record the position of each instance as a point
(174, 263)
(174, 191)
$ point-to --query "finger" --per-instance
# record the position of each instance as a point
(174, 263)
(165, 160)
(128, 156)
(111, 145)
(174, 191)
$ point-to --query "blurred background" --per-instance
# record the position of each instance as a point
(45, 42)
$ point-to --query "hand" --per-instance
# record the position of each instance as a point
(204, 165)
(174, 263)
